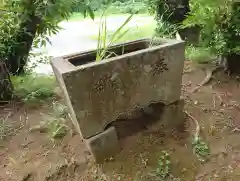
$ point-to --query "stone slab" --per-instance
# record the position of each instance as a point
(171, 117)
(103, 145)
(97, 93)
(173, 114)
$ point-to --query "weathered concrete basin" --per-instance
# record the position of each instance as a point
(97, 93)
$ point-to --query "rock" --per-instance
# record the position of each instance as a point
(103, 145)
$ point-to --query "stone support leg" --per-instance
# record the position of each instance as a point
(173, 114)
(171, 117)
(103, 145)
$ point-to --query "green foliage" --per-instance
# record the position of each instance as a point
(35, 58)
(165, 17)
(56, 128)
(219, 21)
(152, 6)
(163, 168)
(115, 8)
(118, 7)
(165, 29)
(105, 41)
(9, 24)
(199, 54)
(128, 7)
(164, 163)
(33, 89)
(200, 149)
(59, 110)
(56, 124)
(15, 16)
(51, 14)
(22, 21)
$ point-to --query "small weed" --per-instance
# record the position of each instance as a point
(33, 89)
(200, 55)
(59, 110)
(56, 128)
(54, 124)
(164, 162)
(200, 149)
(163, 168)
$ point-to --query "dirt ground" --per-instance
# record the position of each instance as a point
(32, 156)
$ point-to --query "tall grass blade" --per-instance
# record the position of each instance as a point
(122, 34)
(113, 38)
(103, 43)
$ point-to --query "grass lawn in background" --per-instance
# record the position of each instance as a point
(79, 16)
(144, 29)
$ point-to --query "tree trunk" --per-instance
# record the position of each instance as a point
(27, 31)
(174, 11)
(191, 35)
(6, 88)
(233, 58)
(233, 63)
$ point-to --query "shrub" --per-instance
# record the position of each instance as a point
(33, 88)
(199, 54)
(8, 29)
(165, 29)
(168, 15)
(219, 21)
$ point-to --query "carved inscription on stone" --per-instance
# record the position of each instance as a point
(159, 67)
(107, 81)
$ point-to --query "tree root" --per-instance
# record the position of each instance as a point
(237, 107)
(197, 132)
(209, 76)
